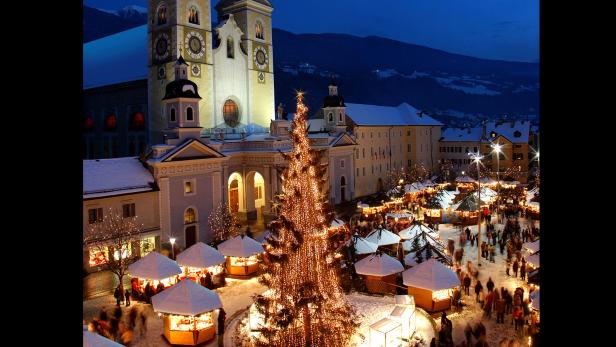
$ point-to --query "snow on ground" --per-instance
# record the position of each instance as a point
(471, 312)
(374, 308)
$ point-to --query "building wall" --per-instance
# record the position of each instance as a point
(457, 153)
(121, 100)
(336, 170)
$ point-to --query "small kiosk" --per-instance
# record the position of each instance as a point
(242, 255)
(187, 311)
(362, 246)
(155, 268)
(386, 333)
(380, 272)
(404, 313)
(431, 283)
(385, 239)
(531, 247)
(199, 260)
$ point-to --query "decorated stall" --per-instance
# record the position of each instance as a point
(400, 218)
(187, 310)
(200, 261)
(404, 313)
(380, 272)
(361, 245)
(417, 228)
(336, 225)
(531, 247)
(384, 239)
(465, 182)
(91, 339)
(488, 181)
(431, 285)
(426, 251)
(386, 333)
(532, 261)
(467, 210)
(242, 254)
(153, 269)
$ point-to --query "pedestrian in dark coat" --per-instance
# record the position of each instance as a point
(515, 268)
(127, 297)
(222, 316)
(117, 295)
(478, 289)
(468, 333)
(490, 284)
(467, 284)
(523, 271)
(499, 307)
(160, 287)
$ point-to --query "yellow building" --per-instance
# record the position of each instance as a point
(512, 136)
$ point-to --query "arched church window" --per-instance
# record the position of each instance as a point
(340, 117)
(137, 121)
(330, 116)
(88, 124)
(231, 113)
(230, 48)
(193, 15)
(189, 113)
(161, 14)
(111, 122)
(190, 216)
(172, 115)
(259, 31)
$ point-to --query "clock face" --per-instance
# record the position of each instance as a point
(161, 72)
(161, 46)
(194, 45)
(260, 58)
(196, 70)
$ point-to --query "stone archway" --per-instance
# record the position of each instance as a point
(255, 195)
(236, 193)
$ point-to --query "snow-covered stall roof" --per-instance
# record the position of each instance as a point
(400, 215)
(336, 223)
(428, 183)
(378, 265)
(416, 229)
(363, 246)
(427, 250)
(469, 203)
(383, 237)
(465, 179)
(534, 297)
(403, 114)
(531, 246)
(533, 260)
(108, 177)
(186, 298)
(154, 266)
(240, 246)
(117, 58)
(430, 275)
(91, 339)
(413, 188)
(200, 255)
(488, 180)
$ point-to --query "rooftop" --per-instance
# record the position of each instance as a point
(109, 177)
(403, 114)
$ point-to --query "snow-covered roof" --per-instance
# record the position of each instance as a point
(117, 58)
(465, 179)
(200, 255)
(378, 265)
(91, 339)
(461, 135)
(399, 215)
(415, 187)
(154, 266)
(531, 246)
(108, 177)
(533, 260)
(509, 129)
(416, 229)
(363, 246)
(534, 297)
(403, 114)
(240, 246)
(186, 298)
(431, 275)
(383, 237)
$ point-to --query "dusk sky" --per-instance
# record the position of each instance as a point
(492, 29)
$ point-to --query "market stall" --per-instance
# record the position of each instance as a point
(417, 228)
(465, 182)
(425, 251)
(242, 255)
(404, 313)
(386, 333)
(362, 246)
(200, 260)
(187, 311)
(384, 239)
(400, 218)
(534, 297)
(91, 339)
(431, 285)
(532, 261)
(336, 224)
(531, 247)
(380, 272)
(153, 269)
(467, 210)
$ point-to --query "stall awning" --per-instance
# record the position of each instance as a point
(383, 237)
(154, 266)
(336, 223)
(430, 275)
(533, 260)
(186, 298)
(531, 246)
(534, 297)
(91, 339)
(200, 255)
(240, 246)
(416, 229)
(378, 265)
(363, 246)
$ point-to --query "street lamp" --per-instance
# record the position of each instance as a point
(477, 159)
(172, 240)
(497, 148)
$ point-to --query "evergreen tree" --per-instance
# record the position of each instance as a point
(305, 305)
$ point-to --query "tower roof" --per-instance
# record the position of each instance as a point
(181, 89)
(181, 61)
(333, 101)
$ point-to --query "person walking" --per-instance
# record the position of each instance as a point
(499, 307)
(515, 268)
(127, 297)
(507, 267)
(478, 289)
(117, 295)
(518, 317)
(490, 284)
(492, 251)
(523, 271)
(144, 322)
(222, 316)
(467, 284)
(508, 302)
(468, 331)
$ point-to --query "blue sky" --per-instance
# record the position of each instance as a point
(492, 29)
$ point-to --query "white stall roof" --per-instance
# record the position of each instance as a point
(154, 266)
(383, 237)
(378, 265)
(200, 255)
(431, 275)
(240, 246)
(186, 298)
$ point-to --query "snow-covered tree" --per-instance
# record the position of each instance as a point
(223, 223)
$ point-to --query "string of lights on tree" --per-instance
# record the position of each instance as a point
(223, 223)
(305, 305)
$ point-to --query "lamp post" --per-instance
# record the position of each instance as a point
(497, 149)
(172, 240)
(477, 159)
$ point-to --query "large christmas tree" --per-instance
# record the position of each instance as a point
(305, 305)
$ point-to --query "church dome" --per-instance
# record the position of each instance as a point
(333, 101)
(181, 89)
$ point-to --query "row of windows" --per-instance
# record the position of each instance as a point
(110, 148)
(189, 114)
(135, 122)
(193, 17)
(95, 215)
(455, 149)
(408, 133)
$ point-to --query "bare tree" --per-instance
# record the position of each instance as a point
(417, 173)
(445, 169)
(117, 239)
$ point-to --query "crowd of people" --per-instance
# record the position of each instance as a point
(118, 326)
